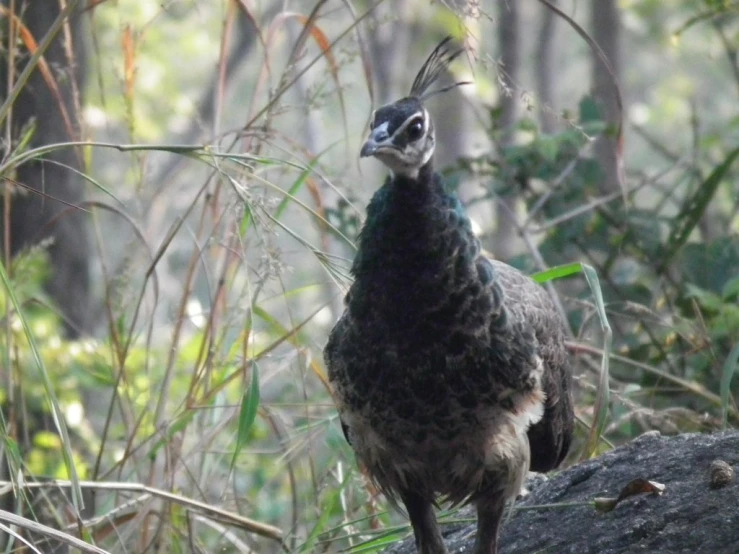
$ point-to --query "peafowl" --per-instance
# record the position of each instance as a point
(448, 369)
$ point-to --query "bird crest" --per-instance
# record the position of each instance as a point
(432, 69)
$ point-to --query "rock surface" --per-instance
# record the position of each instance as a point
(690, 516)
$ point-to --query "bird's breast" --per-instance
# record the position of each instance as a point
(447, 458)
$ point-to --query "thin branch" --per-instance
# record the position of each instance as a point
(690, 386)
(35, 527)
(213, 512)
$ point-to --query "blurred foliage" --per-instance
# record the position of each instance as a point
(670, 285)
(206, 379)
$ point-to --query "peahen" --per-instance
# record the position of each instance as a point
(448, 369)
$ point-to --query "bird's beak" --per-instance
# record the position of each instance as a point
(368, 148)
(378, 139)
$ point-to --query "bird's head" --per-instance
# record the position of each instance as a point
(402, 133)
(401, 136)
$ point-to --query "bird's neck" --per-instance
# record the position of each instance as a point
(404, 218)
(424, 174)
(416, 244)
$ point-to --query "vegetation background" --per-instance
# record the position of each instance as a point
(181, 194)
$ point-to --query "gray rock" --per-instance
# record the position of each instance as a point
(689, 517)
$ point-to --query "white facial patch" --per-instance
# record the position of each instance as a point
(382, 127)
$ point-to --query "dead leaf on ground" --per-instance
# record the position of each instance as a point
(637, 486)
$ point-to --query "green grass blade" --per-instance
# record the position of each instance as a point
(292, 191)
(329, 504)
(248, 412)
(180, 425)
(295, 187)
(602, 399)
(246, 221)
(727, 373)
(557, 272)
(386, 538)
(56, 411)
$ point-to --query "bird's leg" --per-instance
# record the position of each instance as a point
(423, 521)
(489, 513)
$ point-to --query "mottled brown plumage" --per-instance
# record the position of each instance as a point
(448, 369)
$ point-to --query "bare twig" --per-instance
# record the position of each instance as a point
(146, 492)
(35, 527)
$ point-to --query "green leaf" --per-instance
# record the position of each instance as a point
(557, 272)
(248, 412)
(705, 298)
(727, 373)
(589, 110)
(731, 289)
(548, 147)
(694, 208)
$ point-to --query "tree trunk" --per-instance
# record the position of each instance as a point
(510, 58)
(545, 60)
(390, 45)
(37, 216)
(606, 31)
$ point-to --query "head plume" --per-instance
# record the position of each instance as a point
(432, 69)
(402, 133)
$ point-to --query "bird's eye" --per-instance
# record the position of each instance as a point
(415, 129)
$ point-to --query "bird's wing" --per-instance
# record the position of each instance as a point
(525, 300)
(329, 355)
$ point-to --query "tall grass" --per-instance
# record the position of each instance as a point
(198, 418)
